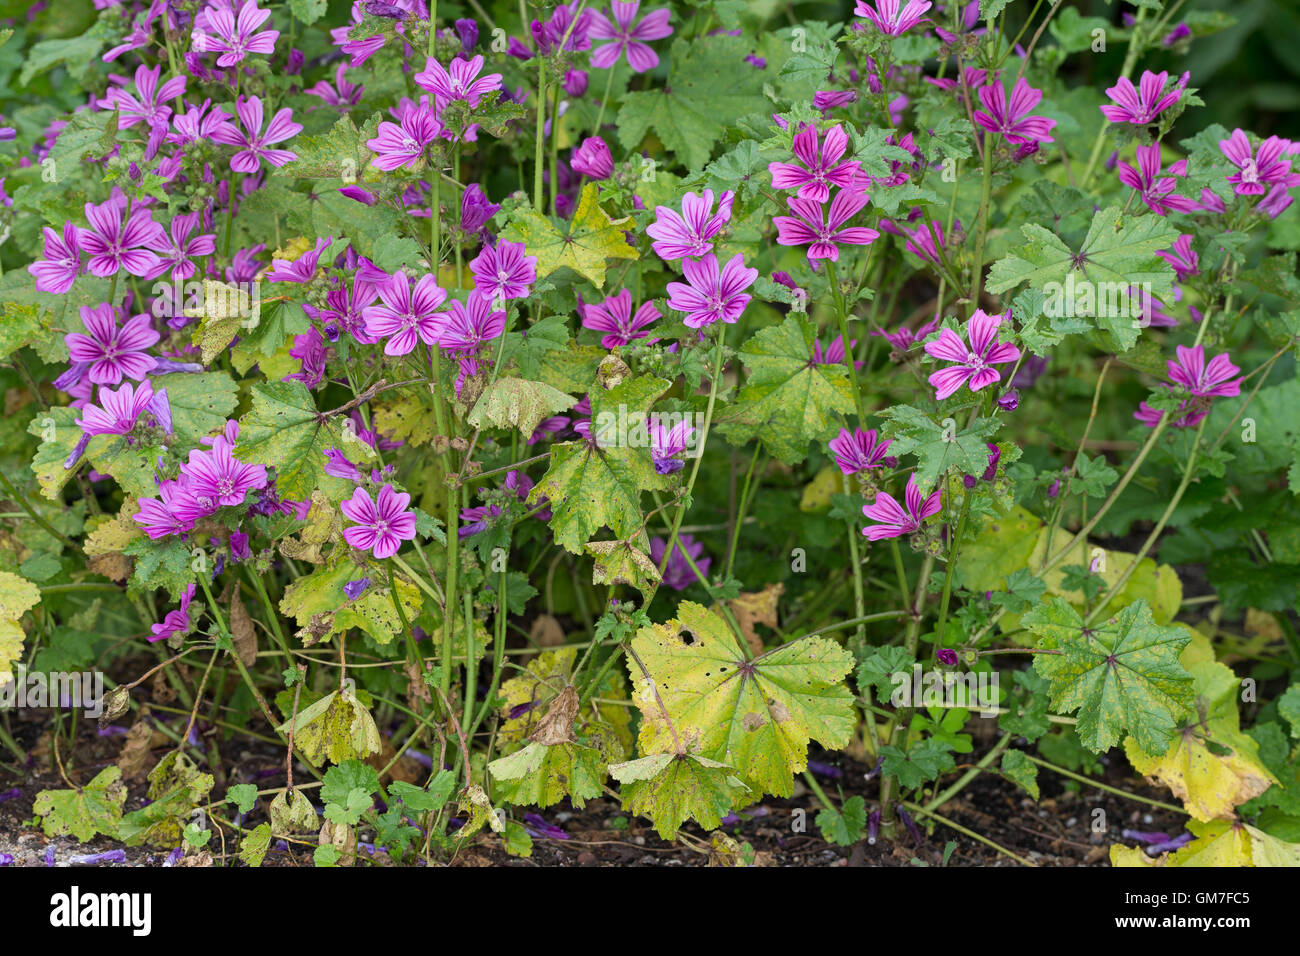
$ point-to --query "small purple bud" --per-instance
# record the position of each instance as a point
(296, 60)
(575, 82)
(1054, 488)
(359, 194)
(912, 828)
(354, 589)
(467, 30)
(1009, 401)
(947, 656)
(825, 770)
(969, 481)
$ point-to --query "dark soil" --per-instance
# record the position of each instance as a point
(1063, 829)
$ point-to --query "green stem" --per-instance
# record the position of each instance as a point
(539, 147)
(22, 503)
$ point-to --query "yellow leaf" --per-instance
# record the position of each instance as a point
(591, 239)
(1210, 765)
(17, 597)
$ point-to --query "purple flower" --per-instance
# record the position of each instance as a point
(821, 167)
(344, 97)
(113, 246)
(254, 141)
(926, 241)
(218, 29)
(176, 622)
(1202, 379)
(197, 124)
(216, 479)
(174, 512)
(475, 209)
(711, 294)
(354, 589)
(310, 351)
(614, 316)
(1182, 257)
(575, 83)
(460, 82)
(1009, 401)
(895, 521)
(466, 327)
(946, 656)
(822, 229)
(593, 159)
(1177, 33)
(677, 573)
(667, 443)
(406, 314)
(477, 519)
(112, 354)
(148, 106)
(338, 465)
(827, 100)
(1141, 105)
(889, 19)
(381, 525)
(1012, 119)
(503, 271)
(178, 249)
(628, 36)
(833, 354)
(905, 338)
(1155, 190)
(399, 146)
(117, 411)
(689, 235)
(58, 270)
(974, 361)
(1255, 170)
(858, 452)
(302, 269)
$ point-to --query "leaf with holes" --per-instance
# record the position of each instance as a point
(705, 696)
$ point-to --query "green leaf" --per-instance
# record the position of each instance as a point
(878, 670)
(844, 826)
(1118, 249)
(243, 796)
(350, 775)
(160, 564)
(1021, 771)
(590, 238)
(599, 484)
(424, 800)
(176, 787)
(692, 110)
(918, 764)
(1121, 675)
(86, 811)
(673, 788)
(59, 433)
(200, 403)
(308, 11)
(541, 775)
(255, 844)
(517, 402)
(329, 155)
(284, 431)
(787, 401)
(938, 448)
(757, 715)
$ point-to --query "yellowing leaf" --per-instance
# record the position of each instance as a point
(17, 597)
(1210, 765)
(517, 402)
(1217, 844)
(624, 562)
(755, 715)
(334, 728)
(86, 811)
(673, 788)
(591, 239)
(528, 697)
(541, 775)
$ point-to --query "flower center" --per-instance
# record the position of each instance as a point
(225, 487)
